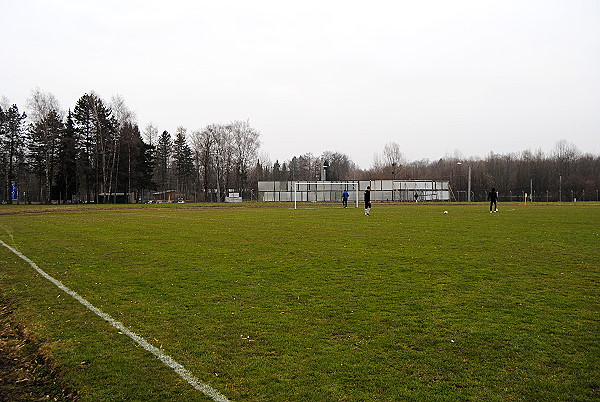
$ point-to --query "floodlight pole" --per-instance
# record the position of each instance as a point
(469, 183)
(531, 190)
(560, 188)
(325, 167)
(469, 188)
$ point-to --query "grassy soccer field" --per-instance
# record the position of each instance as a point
(269, 303)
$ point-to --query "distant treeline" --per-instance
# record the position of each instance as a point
(97, 153)
(566, 174)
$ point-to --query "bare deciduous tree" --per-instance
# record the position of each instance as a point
(40, 104)
(393, 159)
(44, 133)
(151, 134)
(121, 111)
(246, 141)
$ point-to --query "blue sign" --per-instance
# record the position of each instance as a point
(15, 192)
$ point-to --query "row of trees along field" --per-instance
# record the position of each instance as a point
(96, 153)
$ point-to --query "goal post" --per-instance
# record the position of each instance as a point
(302, 189)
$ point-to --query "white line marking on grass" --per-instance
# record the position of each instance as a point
(166, 359)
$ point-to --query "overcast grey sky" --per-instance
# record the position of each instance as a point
(437, 77)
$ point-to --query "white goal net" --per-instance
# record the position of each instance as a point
(316, 191)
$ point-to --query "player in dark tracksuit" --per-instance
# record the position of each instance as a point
(493, 198)
(368, 201)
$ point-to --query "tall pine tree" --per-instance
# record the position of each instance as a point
(136, 164)
(12, 149)
(164, 149)
(98, 146)
(66, 176)
(183, 162)
(43, 150)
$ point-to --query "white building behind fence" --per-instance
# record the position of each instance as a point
(327, 191)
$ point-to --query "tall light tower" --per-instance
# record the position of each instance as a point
(325, 167)
(469, 182)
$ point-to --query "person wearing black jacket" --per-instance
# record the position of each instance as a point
(493, 198)
(368, 201)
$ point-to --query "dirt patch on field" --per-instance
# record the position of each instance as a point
(25, 373)
(21, 209)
